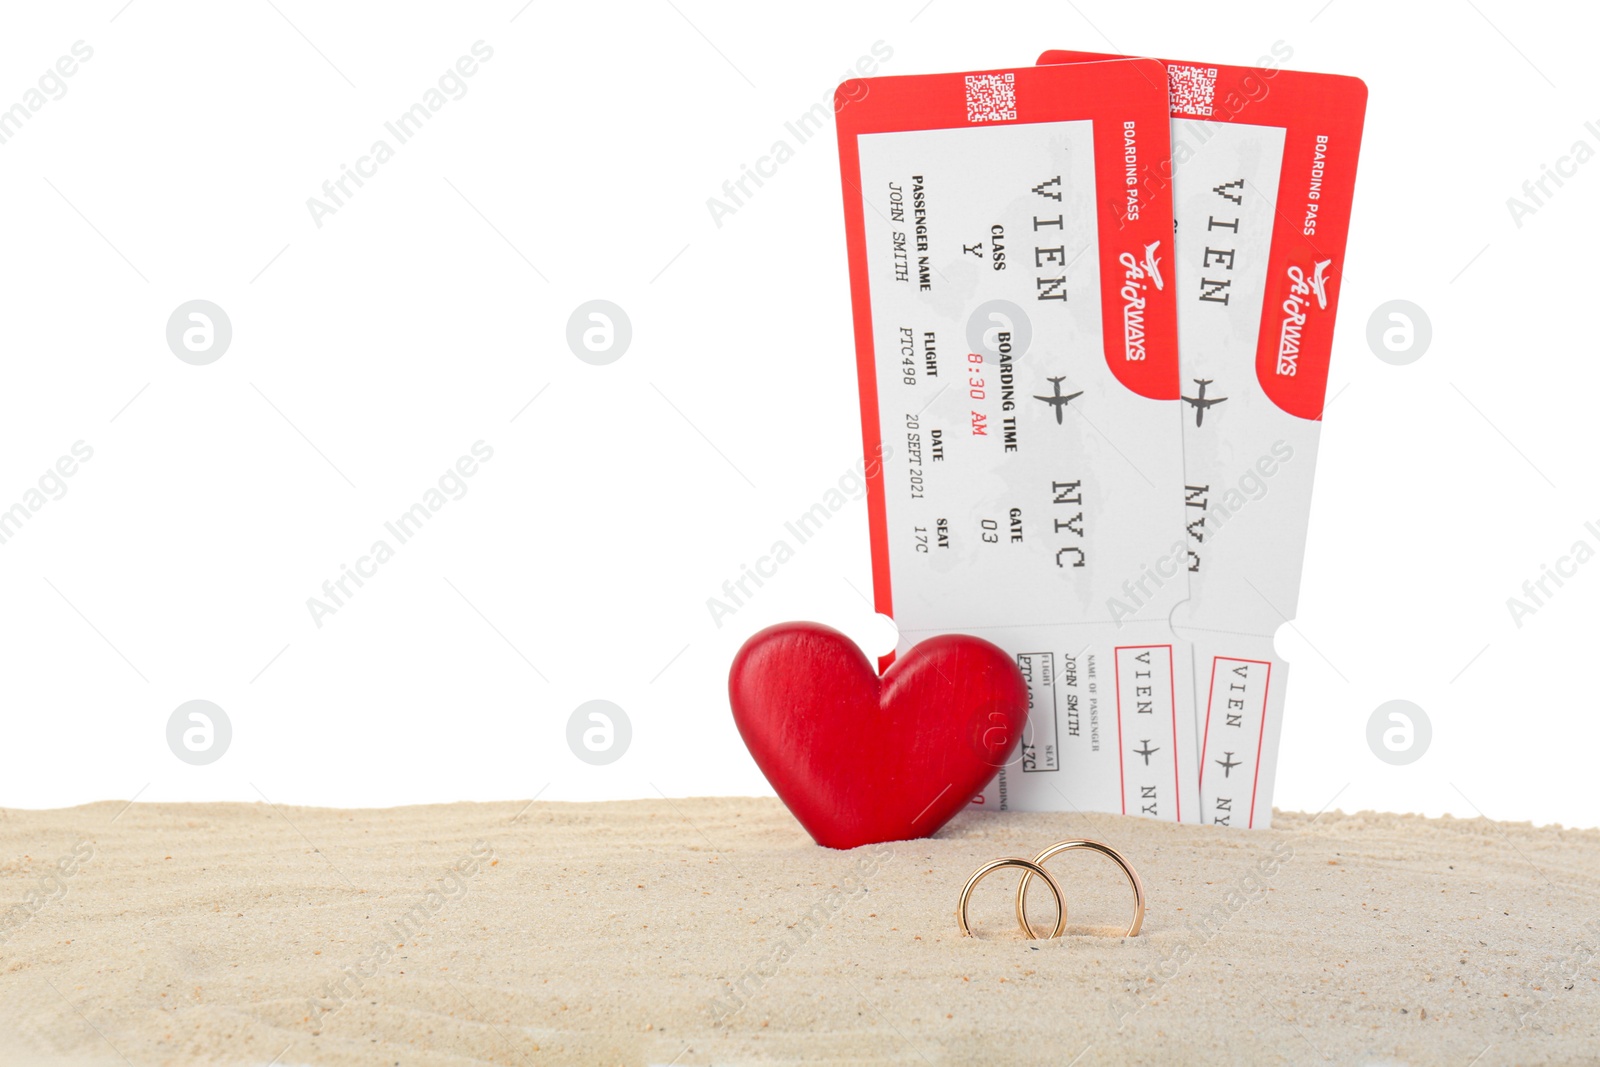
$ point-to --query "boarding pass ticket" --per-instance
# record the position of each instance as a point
(1261, 177)
(1012, 284)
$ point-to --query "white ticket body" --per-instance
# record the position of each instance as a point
(1015, 352)
(1245, 512)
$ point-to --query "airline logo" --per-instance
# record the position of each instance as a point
(1296, 308)
(1138, 275)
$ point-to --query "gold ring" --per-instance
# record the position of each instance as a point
(1094, 846)
(1029, 869)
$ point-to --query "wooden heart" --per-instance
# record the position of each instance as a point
(860, 759)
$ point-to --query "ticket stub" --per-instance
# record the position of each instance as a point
(1016, 342)
(1261, 176)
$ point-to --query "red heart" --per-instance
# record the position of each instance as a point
(860, 759)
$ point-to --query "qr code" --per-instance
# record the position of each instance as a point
(1191, 89)
(991, 97)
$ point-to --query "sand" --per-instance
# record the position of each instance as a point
(714, 931)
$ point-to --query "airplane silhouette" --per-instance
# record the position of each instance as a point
(1228, 764)
(1152, 263)
(1202, 401)
(1319, 281)
(1058, 401)
(1146, 751)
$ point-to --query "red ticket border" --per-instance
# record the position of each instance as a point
(1172, 685)
(1261, 739)
(1109, 92)
(1308, 107)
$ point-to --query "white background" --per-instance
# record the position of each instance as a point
(421, 317)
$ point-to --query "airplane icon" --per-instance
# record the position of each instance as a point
(1146, 751)
(1228, 763)
(1152, 263)
(1201, 402)
(1058, 401)
(1319, 281)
